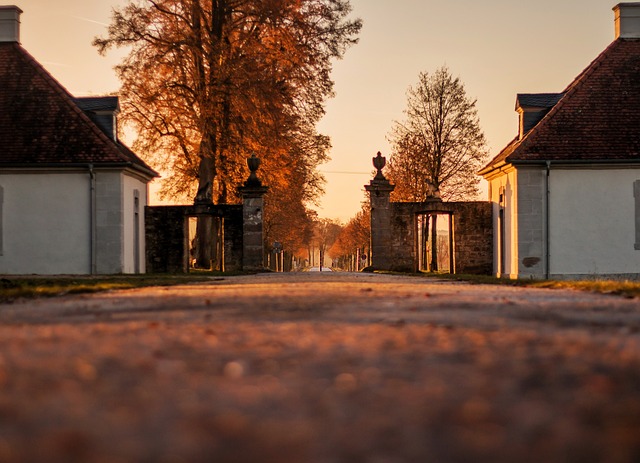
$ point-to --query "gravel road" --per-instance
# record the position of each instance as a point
(321, 368)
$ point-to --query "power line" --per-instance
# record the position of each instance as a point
(345, 172)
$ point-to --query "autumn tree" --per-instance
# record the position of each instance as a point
(207, 82)
(439, 146)
(326, 232)
(353, 242)
(289, 222)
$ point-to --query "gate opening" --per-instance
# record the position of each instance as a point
(207, 252)
(435, 242)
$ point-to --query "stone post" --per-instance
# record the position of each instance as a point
(252, 218)
(379, 193)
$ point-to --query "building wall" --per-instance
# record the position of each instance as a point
(593, 224)
(45, 228)
(109, 242)
(46, 222)
(531, 223)
(505, 243)
(134, 190)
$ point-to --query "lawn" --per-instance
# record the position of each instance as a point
(12, 288)
(630, 289)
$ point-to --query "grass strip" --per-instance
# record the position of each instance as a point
(12, 288)
(630, 289)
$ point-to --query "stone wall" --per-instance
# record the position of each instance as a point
(233, 237)
(167, 236)
(473, 235)
(403, 237)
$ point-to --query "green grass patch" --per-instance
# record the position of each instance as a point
(629, 289)
(12, 288)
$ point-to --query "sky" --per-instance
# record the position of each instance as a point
(498, 48)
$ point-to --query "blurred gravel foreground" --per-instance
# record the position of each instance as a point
(321, 368)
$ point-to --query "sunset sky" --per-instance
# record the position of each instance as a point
(497, 47)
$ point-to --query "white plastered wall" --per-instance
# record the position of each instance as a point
(592, 222)
(131, 185)
(109, 243)
(45, 223)
(505, 182)
(531, 207)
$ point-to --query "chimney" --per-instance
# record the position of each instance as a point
(627, 20)
(10, 23)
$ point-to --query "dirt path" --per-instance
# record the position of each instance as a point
(321, 368)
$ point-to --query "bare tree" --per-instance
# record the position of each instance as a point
(438, 147)
(326, 233)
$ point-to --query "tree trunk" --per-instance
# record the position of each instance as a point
(206, 174)
(204, 242)
(434, 242)
(204, 252)
(424, 265)
(217, 245)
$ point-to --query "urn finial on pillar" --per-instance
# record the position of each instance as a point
(253, 163)
(379, 194)
(379, 162)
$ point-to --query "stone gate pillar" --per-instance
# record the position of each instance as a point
(379, 193)
(252, 218)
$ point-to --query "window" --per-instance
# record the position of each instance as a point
(636, 194)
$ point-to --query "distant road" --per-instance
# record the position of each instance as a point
(299, 367)
(317, 269)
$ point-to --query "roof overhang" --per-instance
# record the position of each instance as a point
(503, 167)
(495, 170)
(79, 166)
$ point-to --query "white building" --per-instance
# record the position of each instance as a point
(72, 197)
(566, 190)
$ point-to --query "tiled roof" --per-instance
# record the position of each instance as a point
(597, 119)
(40, 124)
